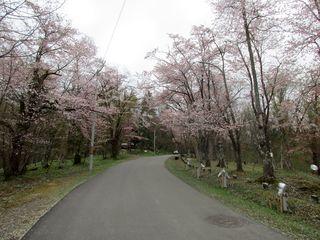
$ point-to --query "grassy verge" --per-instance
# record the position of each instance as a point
(246, 196)
(24, 199)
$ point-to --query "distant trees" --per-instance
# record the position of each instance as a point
(119, 105)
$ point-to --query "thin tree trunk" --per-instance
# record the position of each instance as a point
(315, 148)
(263, 139)
(14, 166)
(220, 155)
(115, 148)
(236, 146)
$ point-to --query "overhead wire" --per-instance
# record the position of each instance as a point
(114, 29)
(110, 39)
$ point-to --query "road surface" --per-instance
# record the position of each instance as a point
(141, 200)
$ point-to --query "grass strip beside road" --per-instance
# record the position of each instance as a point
(25, 199)
(246, 198)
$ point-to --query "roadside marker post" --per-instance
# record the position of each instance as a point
(224, 176)
(283, 197)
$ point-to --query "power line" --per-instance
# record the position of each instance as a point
(93, 126)
(114, 29)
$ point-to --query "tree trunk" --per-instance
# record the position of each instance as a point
(115, 148)
(237, 153)
(220, 155)
(15, 165)
(315, 160)
(236, 146)
(267, 156)
(47, 156)
(77, 159)
(203, 150)
(211, 148)
(315, 148)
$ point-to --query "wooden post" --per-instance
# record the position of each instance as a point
(198, 172)
(224, 181)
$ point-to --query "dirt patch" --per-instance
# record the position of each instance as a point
(15, 222)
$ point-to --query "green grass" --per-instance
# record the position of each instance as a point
(246, 196)
(26, 198)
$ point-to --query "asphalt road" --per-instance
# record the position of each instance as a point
(141, 200)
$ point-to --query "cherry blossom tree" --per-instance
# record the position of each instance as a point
(117, 104)
(33, 80)
(303, 17)
(194, 87)
(254, 26)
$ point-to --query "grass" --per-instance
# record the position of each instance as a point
(26, 198)
(248, 197)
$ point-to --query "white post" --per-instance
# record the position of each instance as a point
(223, 175)
(283, 197)
(93, 132)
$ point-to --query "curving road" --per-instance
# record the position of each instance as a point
(141, 200)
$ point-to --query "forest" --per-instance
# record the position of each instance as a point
(54, 87)
(245, 89)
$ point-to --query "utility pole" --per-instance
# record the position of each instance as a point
(94, 116)
(93, 132)
(154, 141)
(93, 126)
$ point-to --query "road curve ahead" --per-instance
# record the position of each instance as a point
(141, 200)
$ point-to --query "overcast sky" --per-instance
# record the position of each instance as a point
(144, 25)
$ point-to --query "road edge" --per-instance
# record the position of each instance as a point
(71, 190)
